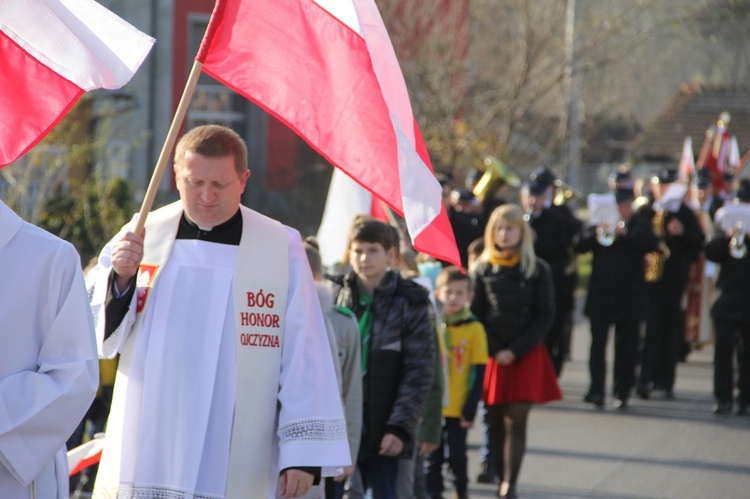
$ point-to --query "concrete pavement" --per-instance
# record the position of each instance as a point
(654, 449)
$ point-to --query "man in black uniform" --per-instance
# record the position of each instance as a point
(683, 236)
(466, 219)
(731, 317)
(616, 295)
(557, 231)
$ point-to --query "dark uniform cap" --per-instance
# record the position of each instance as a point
(540, 179)
(462, 195)
(667, 176)
(623, 180)
(543, 175)
(624, 194)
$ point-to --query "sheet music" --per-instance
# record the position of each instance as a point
(731, 213)
(602, 208)
(672, 197)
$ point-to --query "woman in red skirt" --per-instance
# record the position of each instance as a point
(514, 299)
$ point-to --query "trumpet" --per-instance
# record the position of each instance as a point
(496, 174)
(737, 246)
(606, 232)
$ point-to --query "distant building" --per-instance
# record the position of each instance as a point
(692, 111)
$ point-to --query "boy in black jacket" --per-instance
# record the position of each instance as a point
(397, 353)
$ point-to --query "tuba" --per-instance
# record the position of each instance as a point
(496, 174)
(655, 260)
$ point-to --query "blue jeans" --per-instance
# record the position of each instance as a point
(379, 474)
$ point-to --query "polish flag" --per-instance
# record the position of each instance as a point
(51, 52)
(85, 455)
(686, 168)
(327, 69)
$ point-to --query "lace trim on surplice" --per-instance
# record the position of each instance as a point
(313, 429)
(132, 491)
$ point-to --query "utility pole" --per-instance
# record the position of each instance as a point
(570, 126)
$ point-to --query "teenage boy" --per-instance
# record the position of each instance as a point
(466, 343)
(397, 353)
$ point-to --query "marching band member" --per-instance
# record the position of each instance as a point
(683, 238)
(616, 296)
(556, 231)
(702, 274)
(730, 313)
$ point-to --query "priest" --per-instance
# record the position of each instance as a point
(48, 365)
(226, 385)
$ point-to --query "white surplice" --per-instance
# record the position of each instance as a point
(169, 435)
(48, 362)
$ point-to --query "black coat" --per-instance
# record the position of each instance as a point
(400, 368)
(617, 287)
(466, 228)
(557, 231)
(733, 280)
(683, 249)
(516, 312)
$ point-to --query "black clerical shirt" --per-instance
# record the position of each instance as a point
(230, 232)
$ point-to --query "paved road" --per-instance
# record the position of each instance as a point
(655, 449)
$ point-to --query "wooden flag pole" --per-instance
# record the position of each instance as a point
(703, 155)
(166, 150)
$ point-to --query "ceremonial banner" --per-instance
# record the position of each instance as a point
(85, 455)
(345, 200)
(51, 52)
(327, 69)
(686, 168)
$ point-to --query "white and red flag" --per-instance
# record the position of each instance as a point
(327, 69)
(686, 168)
(51, 52)
(85, 455)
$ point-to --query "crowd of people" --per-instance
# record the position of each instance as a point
(245, 367)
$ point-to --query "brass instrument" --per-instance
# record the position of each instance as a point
(606, 232)
(565, 193)
(496, 174)
(655, 260)
(737, 246)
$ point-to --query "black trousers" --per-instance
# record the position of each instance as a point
(557, 340)
(664, 336)
(454, 441)
(731, 336)
(626, 355)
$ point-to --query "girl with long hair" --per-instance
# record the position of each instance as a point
(514, 299)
